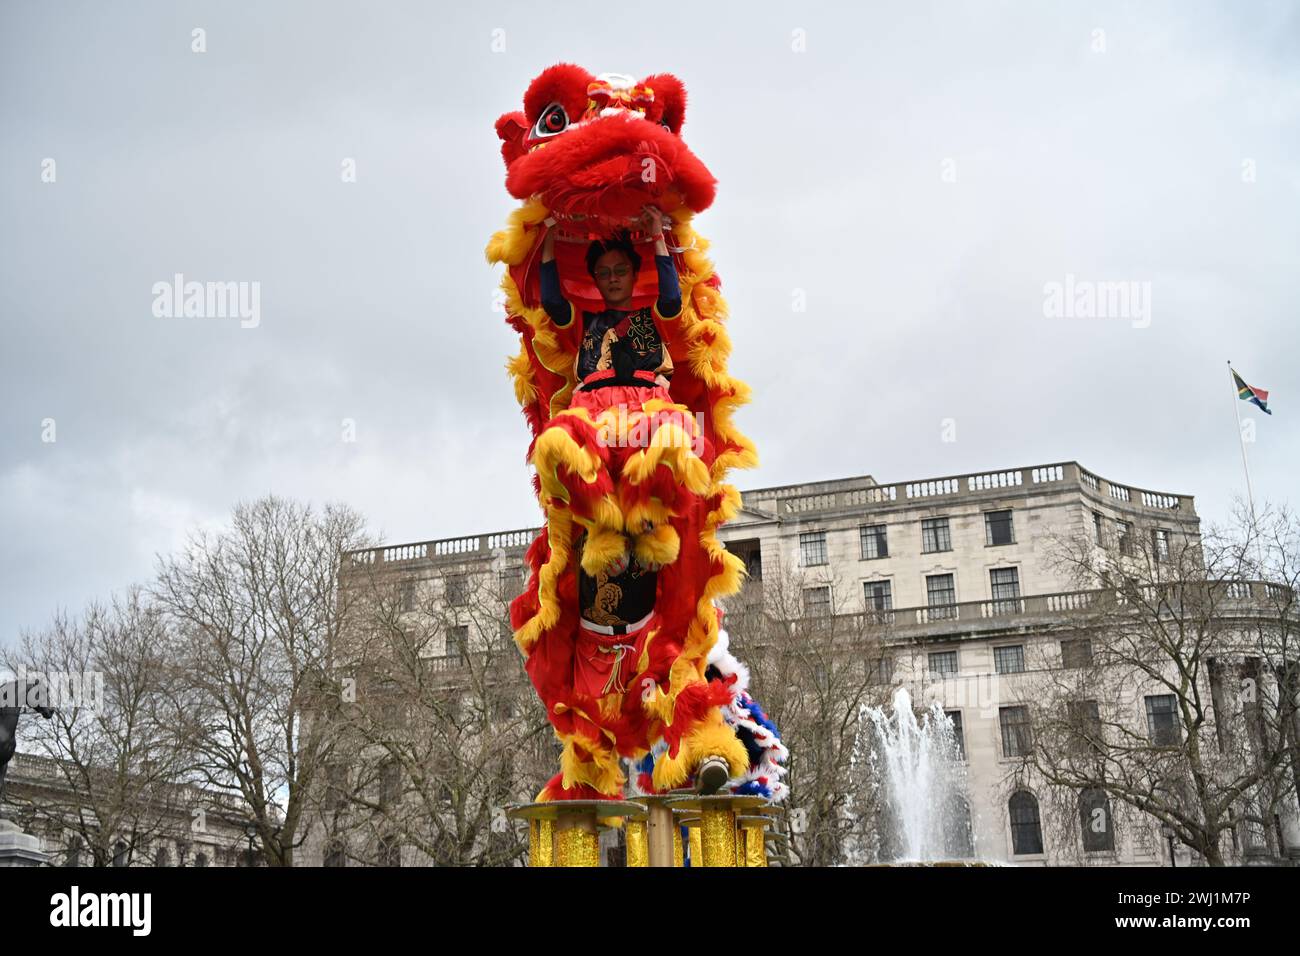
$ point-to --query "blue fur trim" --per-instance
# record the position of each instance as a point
(757, 715)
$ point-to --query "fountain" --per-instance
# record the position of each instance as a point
(920, 783)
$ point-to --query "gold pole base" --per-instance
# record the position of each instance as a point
(716, 829)
(566, 832)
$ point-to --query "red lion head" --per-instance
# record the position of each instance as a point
(599, 148)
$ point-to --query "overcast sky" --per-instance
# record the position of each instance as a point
(919, 171)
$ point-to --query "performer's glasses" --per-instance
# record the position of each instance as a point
(619, 271)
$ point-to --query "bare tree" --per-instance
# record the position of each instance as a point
(815, 662)
(257, 617)
(445, 731)
(1174, 690)
(113, 745)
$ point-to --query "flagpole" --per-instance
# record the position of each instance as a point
(1250, 494)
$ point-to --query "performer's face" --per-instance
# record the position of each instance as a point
(614, 278)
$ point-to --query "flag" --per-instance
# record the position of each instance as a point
(1247, 393)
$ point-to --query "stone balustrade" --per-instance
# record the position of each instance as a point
(861, 493)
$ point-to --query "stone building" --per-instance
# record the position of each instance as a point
(963, 574)
(192, 826)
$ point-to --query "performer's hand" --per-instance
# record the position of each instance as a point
(618, 565)
(651, 220)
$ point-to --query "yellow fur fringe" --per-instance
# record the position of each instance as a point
(698, 332)
(711, 738)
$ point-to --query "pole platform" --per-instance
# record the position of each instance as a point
(718, 846)
(565, 832)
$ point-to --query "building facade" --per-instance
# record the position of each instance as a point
(191, 827)
(964, 575)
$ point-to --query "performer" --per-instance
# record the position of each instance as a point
(631, 336)
(622, 363)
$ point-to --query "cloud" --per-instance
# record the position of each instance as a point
(916, 176)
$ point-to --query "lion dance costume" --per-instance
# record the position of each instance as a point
(635, 466)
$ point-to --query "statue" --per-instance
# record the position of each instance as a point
(15, 696)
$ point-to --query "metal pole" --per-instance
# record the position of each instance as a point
(1236, 410)
(1250, 494)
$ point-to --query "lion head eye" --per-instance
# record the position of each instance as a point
(552, 122)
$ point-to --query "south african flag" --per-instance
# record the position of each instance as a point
(1248, 393)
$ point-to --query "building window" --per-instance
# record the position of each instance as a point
(1095, 820)
(408, 595)
(878, 595)
(812, 548)
(334, 854)
(958, 732)
(1162, 720)
(391, 712)
(457, 586)
(816, 601)
(1123, 537)
(874, 542)
(390, 783)
(880, 670)
(336, 786)
(1026, 833)
(1005, 584)
(503, 708)
(1160, 544)
(1010, 659)
(1085, 726)
(941, 595)
(1144, 841)
(1017, 738)
(943, 662)
(200, 859)
(997, 528)
(505, 635)
(510, 583)
(1076, 652)
(749, 551)
(1098, 528)
(458, 642)
(935, 535)
(390, 851)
